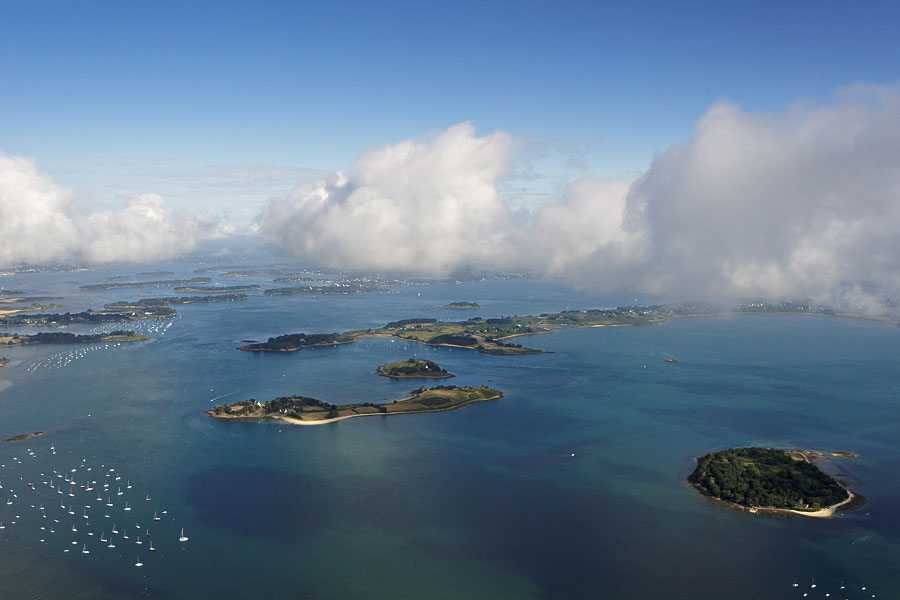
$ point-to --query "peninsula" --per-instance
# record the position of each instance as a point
(769, 480)
(299, 410)
(413, 368)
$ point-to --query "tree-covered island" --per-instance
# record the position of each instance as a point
(71, 338)
(766, 479)
(412, 369)
(299, 410)
(215, 289)
(460, 305)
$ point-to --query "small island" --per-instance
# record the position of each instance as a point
(412, 369)
(460, 305)
(24, 436)
(770, 480)
(299, 410)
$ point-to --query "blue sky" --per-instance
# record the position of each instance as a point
(119, 98)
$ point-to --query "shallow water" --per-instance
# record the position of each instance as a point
(482, 502)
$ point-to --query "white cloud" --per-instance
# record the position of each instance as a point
(41, 222)
(800, 203)
(418, 205)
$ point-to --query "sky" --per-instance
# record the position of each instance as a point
(580, 121)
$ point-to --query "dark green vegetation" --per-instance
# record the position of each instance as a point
(766, 478)
(295, 341)
(71, 338)
(114, 285)
(460, 305)
(212, 289)
(413, 368)
(312, 411)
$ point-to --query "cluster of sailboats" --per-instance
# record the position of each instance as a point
(843, 592)
(81, 505)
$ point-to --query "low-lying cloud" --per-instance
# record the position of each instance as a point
(750, 204)
(41, 222)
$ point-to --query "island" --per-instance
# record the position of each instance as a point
(770, 480)
(166, 301)
(115, 285)
(299, 410)
(113, 314)
(460, 305)
(412, 369)
(24, 436)
(334, 289)
(71, 338)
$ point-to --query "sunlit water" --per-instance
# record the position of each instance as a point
(571, 486)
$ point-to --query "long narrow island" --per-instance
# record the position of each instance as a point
(71, 338)
(299, 410)
(770, 480)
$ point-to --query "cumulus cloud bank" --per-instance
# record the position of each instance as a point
(761, 204)
(41, 222)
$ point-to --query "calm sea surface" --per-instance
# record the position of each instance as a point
(571, 486)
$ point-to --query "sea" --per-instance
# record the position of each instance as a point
(573, 485)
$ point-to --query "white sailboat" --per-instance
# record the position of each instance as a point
(183, 538)
(138, 563)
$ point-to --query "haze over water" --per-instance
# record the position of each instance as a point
(571, 486)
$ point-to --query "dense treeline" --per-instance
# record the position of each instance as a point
(293, 341)
(764, 477)
(405, 322)
(413, 367)
(455, 340)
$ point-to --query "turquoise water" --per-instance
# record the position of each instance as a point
(483, 502)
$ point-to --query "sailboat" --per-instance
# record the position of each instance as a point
(126, 506)
(151, 546)
(84, 549)
(139, 542)
(155, 516)
(182, 538)
(139, 563)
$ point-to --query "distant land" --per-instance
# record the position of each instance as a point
(487, 335)
(766, 479)
(155, 273)
(460, 305)
(213, 289)
(337, 288)
(117, 315)
(165, 301)
(412, 369)
(299, 410)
